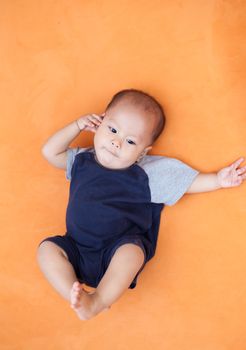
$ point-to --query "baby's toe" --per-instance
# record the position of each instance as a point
(76, 285)
(74, 296)
(75, 302)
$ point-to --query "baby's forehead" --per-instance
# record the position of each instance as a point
(130, 119)
(131, 111)
(130, 114)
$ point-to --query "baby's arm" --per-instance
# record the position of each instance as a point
(227, 177)
(55, 148)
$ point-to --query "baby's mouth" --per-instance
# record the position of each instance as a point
(111, 152)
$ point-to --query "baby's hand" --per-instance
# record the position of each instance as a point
(90, 122)
(231, 176)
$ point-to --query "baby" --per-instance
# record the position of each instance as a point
(116, 196)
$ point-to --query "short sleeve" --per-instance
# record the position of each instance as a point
(169, 178)
(71, 154)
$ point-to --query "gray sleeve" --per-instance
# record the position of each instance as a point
(169, 178)
(71, 153)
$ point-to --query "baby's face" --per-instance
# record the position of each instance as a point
(123, 137)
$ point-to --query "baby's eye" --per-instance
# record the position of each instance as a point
(130, 141)
(112, 129)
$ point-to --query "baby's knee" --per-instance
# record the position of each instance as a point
(132, 252)
(49, 249)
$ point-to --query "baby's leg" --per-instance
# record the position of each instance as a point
(124, 265)
(55, 265)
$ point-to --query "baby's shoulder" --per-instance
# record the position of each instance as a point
(168, 177)
(151, 161)
(156, 166)
(73, 151)
(71, 154)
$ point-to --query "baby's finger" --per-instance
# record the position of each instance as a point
(94, 118)
(241, 170)
(235, 164)
(89, 122)
(98, 117)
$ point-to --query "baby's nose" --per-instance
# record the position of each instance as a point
(116, 143)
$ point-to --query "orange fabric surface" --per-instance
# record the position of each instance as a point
(62, 59)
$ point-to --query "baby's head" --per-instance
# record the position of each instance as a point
(133, 121)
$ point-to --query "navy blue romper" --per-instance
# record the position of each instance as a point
(111, 207)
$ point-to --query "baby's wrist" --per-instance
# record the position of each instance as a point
(218, 181)
(78, 125)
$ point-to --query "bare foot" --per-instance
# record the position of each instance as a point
(83, 302)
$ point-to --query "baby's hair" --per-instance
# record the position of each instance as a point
(145, 101)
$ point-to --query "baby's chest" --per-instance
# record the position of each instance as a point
(107, 189)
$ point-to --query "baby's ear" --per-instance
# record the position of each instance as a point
(147, 149)
(144, 152)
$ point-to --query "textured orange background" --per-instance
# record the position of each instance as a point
(62, 59)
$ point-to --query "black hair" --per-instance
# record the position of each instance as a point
(145, 101)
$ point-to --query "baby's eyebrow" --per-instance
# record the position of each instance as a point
(137, 137)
